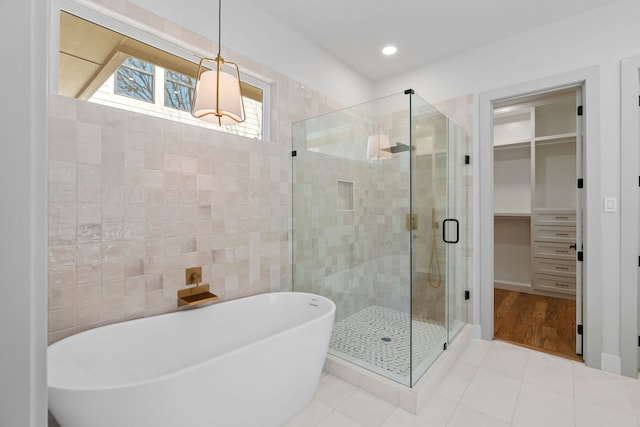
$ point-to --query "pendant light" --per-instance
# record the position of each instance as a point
(218, 98)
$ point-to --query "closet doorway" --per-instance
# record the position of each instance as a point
(538, 252)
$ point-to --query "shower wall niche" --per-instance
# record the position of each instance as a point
(376, 192)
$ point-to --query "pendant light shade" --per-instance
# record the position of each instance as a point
(376, 145)
(218, 97)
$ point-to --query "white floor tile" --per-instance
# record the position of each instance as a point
(633, 391)
(366, 409)
(402, 418)
(436, 413)
(457, 380)
(493, 394)
(334, 391)
(493, 384)
(310, 416)
(540, 406)
(475, 351)
(506, 359)
(589, 414)
(601, 388)
(468, 417)
(550, 371)
(336, 419)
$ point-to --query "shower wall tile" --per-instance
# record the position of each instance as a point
(362, 257)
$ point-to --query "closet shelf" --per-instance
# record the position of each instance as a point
(563, 137)
(523, 215)
(515, 144)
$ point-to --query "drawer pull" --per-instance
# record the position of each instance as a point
(562, 217)
(562, 285)
(558, 251)
(562, 268)
(562, 234)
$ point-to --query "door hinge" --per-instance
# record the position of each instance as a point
(467, 295)
(580, 183)
(580, 256)
(294, 153)
(579, 329)
(638, 341)
(579, 110)
(467, 159)
(444, 347)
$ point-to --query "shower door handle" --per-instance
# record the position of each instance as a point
(444, 230)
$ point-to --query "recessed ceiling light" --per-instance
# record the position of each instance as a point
(389, 50)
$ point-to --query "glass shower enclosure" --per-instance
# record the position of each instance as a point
(379, 227)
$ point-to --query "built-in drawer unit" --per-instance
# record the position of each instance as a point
(554, 284)
(554, 217)
(555, 267)
(553, 250)
(554, 234)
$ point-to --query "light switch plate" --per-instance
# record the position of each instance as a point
(610, 204)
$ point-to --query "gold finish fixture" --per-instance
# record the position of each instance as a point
(411, 222)
(218, 98)
(193, 276)
(195, 296)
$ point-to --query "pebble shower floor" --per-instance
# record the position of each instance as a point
(378, 339)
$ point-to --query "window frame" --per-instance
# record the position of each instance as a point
(151, 74)
(178, 83)
(145, 34)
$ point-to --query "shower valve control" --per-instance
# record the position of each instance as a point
(411, 222)
(193, 275)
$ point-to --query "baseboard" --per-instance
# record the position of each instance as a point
(611, 363)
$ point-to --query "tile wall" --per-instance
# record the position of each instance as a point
(358, 257)
(362, 257)
(134, 200)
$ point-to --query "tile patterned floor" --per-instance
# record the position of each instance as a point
(379, 339)
(493, 384)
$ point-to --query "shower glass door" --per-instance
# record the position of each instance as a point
(429, 209)
(369, 197)
(459, 193)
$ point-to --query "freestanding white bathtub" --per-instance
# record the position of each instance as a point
(251, 362)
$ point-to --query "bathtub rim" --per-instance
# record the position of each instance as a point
(194, 366)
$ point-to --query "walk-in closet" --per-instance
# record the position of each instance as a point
(537, 221)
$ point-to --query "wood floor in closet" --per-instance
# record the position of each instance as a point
(538, 322)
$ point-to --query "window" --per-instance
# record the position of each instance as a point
(111, 68)
(135, 78)
(178, 90)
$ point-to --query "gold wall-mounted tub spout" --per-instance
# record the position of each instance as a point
(195, 296)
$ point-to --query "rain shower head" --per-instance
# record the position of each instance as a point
(398, 148)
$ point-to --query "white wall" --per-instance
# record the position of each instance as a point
(251, 32)
(23, 245)
(600, 38)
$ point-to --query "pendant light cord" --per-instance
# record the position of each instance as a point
(219, 26)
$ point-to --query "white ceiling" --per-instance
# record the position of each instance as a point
(354, 31)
